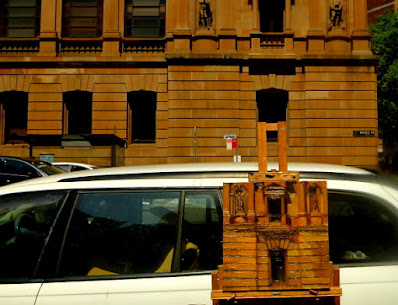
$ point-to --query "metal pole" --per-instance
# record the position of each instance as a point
(194, 144)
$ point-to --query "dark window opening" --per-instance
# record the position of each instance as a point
(15, 114)
(271, 106)
(77, 112)
(20, 18)
(145, 18)
(275, 209)
(278, 273)
(82, 18)
(271, 15)
(142, 116)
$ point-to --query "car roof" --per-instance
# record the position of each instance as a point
(28, 159)
(199, 170)
(75, 163)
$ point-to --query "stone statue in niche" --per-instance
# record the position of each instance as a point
(205, 14)
(336, 15)
(240, 195)
(314, 194)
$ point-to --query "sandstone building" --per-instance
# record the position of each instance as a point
(112, 82)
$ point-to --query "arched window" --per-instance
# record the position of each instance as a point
(82, 18)
(145, 18)
(20, 18)
(13, 115)
(142, 116)
(77, 112)
(271, 15)
(271, 107)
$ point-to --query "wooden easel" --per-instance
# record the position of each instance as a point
(275, 237)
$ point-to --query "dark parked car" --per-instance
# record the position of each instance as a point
(13, 169)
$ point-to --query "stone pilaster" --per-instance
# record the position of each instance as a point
(48, 31)
(317, 32)
(111, 30)
(360, 34)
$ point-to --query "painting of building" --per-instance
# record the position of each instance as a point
(275, 238)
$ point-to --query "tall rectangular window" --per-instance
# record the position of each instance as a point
(142, 116)
(77, 112)
(271, 15)
(20, 18)
(82, 18)
(145, 18)
(13, 115)
(278, 266)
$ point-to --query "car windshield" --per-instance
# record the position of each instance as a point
(49, 169)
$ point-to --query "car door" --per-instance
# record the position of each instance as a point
(26, 222)
(363, 229)
(138, 247)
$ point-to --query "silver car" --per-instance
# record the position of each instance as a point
(152, 234)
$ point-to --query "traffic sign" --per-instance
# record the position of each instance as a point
(232, 143)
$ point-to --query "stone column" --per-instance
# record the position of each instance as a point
(256, 16)
(48, 31)
(288, 17)
(288, 33)
(111, 30)
(255, 35)
(171, 15)
(227, 32)
(317, 31)
(182, 11)
(181, 39)
(360, 33)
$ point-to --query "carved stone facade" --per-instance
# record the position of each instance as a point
(214, 67)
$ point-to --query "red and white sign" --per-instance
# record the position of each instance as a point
(232, 143)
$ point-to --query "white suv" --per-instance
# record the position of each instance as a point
(152, 234)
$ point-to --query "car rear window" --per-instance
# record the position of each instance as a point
(47, 168)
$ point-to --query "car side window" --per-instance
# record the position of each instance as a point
(201, 247)
(362, 229)
(75, 168)
(26, 220)
(121, 233)
(20, 168)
